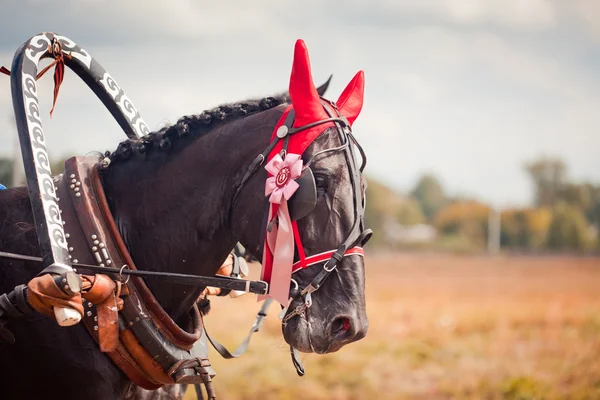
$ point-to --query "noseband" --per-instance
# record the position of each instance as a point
(303, 202)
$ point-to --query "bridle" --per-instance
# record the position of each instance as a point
(300, 206)
(358, 235)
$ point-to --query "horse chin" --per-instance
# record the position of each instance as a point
(296, 334)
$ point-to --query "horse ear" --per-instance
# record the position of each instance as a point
(351, 100)
(323, 88)
(304, 95)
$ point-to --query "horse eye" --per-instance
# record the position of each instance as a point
(320, 182)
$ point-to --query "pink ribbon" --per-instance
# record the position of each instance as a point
(280, 240)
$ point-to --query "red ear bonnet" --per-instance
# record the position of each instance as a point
(303, 92)
(351, 100)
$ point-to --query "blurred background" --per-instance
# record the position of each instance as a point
(480, 123)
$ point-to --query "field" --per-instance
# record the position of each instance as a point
(441, 327)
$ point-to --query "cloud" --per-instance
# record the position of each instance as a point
(516, 14)
(467, 89)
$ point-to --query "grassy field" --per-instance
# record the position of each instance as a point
(441, 327)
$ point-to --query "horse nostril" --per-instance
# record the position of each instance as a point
(341, 327)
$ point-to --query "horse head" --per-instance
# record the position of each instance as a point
(327, 308)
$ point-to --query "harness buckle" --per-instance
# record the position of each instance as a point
(333, 265)
(308, 300)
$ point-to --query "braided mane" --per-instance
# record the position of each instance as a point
(192, 126)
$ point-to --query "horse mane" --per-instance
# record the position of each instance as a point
(193, 126)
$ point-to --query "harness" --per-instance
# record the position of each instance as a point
(303, 201)
(301, 204)
(76, 231)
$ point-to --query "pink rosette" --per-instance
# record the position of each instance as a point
(282, 183)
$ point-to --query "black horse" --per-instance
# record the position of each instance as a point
(179, 203)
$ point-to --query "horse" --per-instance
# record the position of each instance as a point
(181, 197)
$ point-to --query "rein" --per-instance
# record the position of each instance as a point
(225, 283)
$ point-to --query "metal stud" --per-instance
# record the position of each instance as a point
(101, 245)
(77, 194)
(89, 313)
(66, 287)
(108, 262)
(73, 180)
(72, 176)
(282, 131)
(69, 256)
(105, 253)
(70, 249)
(95, 318)
(130, 323)
(77, 183)
(75, 260)
(95, 327)
(96, 242)
(102, 265)
(137, 318)
(67, 235)
(98, 258)
(94, 248)
(76, 189)
(90, 304)
(72, 186)
(94, 237)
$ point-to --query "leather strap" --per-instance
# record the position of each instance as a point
(241, 349)
(149, 341)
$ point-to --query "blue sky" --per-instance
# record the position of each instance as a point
(467, 89)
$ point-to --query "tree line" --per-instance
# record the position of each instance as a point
(564, 216)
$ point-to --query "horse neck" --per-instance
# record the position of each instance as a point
(173, 208)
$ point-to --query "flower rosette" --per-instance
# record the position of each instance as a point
(280, 187)
(282, 183)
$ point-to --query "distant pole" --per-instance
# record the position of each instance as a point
(494, 231)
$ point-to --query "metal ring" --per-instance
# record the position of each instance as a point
(295, 284)
(121, 274)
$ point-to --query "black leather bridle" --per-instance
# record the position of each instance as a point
(358, 235)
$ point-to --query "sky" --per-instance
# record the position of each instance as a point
(469, 90)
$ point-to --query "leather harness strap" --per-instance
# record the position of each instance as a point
(151, 349)
(241, 349)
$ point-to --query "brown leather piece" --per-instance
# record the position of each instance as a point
(101, 288)
(43, 295)
(78, 246)
(94, 237)
(103, 292)
(108, 324)
(130, 368)
(145, 360)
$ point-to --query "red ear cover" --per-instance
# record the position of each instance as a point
(304, 96)
(351, 100)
